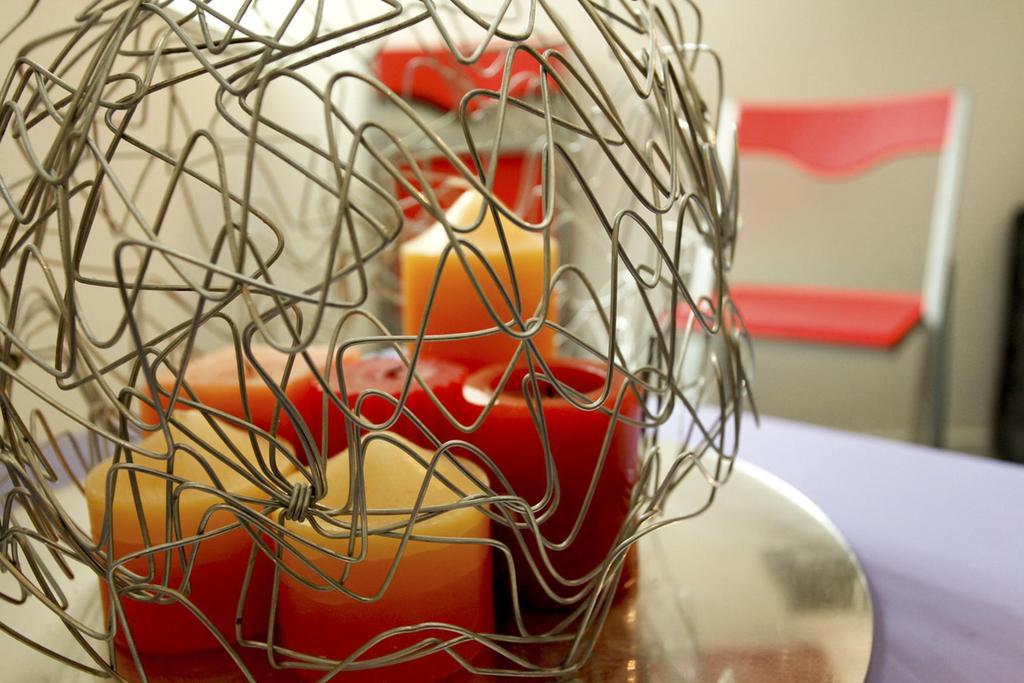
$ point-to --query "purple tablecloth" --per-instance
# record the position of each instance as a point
(940, 536)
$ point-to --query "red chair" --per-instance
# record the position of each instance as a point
(839, 141)
(435, 77)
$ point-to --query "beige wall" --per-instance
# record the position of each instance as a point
(807, 49)
(804, 49)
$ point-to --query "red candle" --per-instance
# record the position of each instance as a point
(219, 559)
(210, 666)
(509, 436)
(444, 580)
(214, 378)
(387, 374)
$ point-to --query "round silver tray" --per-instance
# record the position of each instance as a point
(760, 587)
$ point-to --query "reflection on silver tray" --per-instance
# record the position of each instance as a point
(759, 588)
(774, 593)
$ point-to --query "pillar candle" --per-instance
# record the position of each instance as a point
(214, 378)
(509, 436)
(386, 374)
(209, 666)
(434, 581)
(220, 560)
(457, 307)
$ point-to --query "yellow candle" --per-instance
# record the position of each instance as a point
(220, 560)
(457, 307)
(434, 581)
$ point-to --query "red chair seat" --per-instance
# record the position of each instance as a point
(831, 316)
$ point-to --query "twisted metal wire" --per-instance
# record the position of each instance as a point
(160, 200)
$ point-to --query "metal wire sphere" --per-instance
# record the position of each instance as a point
(179, 175)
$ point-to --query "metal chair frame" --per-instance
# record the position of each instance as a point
(937, 286)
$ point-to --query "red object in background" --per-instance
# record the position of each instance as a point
(509, 436)
(387, 374)
(845, 138)
(516, 174)
(437, 77)
(841, 139)
(828, 316)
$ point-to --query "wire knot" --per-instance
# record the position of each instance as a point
(299, 502)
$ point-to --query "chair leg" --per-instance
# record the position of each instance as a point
(938, 378)
(930, 420)
(930, 417)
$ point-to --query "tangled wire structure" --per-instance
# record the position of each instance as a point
(182, 175)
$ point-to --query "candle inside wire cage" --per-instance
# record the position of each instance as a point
(367, 329)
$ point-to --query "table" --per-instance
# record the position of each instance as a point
(940, 536)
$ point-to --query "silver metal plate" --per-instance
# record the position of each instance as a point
(760, 588)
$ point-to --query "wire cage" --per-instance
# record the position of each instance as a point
(351, 339)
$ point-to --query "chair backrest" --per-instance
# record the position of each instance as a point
(435, 75)
(842, 139)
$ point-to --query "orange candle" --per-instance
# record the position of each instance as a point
(457, 308)
(214, 378)
(434, 581)
(220, 560)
